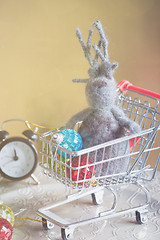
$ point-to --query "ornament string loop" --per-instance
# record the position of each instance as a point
(27, 218)
(30, 125)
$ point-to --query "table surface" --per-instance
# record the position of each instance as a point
(30, 197)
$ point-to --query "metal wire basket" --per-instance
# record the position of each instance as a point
(128, 164)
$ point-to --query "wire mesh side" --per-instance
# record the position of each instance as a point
(140, 108)
(104, 165)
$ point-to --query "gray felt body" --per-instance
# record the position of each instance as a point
(103, 120)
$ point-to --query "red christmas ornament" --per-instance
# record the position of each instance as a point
(80, 173)
(6, 229)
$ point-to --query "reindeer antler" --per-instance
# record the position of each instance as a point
(86, 48)
(99, 53)
(104, 56)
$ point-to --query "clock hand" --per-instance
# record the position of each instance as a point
(15, 155)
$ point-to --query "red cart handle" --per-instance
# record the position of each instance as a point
(127, 85)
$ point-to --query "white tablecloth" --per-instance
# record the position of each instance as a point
(30, 197)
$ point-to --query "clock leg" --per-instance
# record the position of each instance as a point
(35, 179)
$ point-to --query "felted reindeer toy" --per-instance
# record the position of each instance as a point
(103, 120)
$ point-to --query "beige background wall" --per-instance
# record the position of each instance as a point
(40, 54)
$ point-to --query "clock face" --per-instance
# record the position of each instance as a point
(18, 158)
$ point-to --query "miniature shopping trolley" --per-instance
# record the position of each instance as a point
(143, 157)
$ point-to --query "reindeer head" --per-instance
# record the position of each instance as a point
(101, 86)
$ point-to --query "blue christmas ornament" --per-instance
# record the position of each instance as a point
(71, 141)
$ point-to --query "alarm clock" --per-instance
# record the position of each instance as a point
(18, 155)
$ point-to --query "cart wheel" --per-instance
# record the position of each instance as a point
(97, 197)
(66, 233)
(46, 224)
(141, 217)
